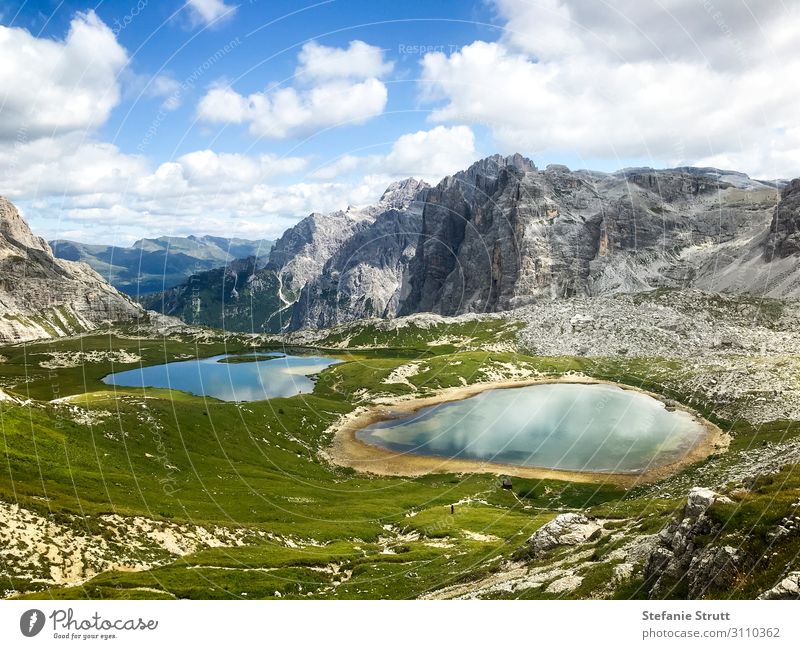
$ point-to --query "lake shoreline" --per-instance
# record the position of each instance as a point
(348, 451)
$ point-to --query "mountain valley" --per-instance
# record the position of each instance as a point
(679, 283)
(151, 265)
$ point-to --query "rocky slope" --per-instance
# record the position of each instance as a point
(784, 232)
(151, 265)
(347, 264)
(41, 296)
(504, 234)
(763, 261)
(240, 296)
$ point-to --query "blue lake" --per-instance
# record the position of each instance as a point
(567, 426)
(279, 375)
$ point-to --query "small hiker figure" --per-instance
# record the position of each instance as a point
(452, 509)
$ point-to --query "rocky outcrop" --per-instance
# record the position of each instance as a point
(784, 231)
(787, 588)
(565, 529)
(302, 252)
(686, 556)
(366, 277)
(41, 296)
(328, 268)
(299, 255)
(503, 234)
(255, 295)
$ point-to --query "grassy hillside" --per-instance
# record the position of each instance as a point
(168, 495)
(241, 296)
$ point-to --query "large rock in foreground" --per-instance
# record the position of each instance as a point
(44, 297)
(686, 557)
(564, 529)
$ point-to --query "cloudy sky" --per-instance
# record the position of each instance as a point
(130, 118)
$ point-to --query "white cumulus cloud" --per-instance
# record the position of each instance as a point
(95, 192)
(432, 154)
(73, 166)
(358, 61)
(57, 93)
(209, 12)
(51, 86)
(429, 155)
(616, 82)
(723, 34)
(342, 88)
(344, 164)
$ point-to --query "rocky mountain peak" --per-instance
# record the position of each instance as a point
(557, 168)
(402, 193)
(15, 232)
(41, 296)
(691, 180)
(519, 162)
(492, 166)
(482, 178)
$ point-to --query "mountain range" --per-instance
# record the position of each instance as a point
(499, 235)
(252, 296)
(503, 234)
(151, 265)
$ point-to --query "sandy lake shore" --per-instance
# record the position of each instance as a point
(346, 450)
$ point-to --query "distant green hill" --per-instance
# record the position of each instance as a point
(244, 295)
(152, 265)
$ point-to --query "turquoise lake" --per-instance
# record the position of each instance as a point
(279, 375)
(567, 426)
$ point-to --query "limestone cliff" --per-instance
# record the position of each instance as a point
(43, 297)
(367, 275)
(503, 234)
(784, 231)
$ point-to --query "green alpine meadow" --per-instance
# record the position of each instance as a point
(112, 492)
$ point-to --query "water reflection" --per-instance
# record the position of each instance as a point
(562, 426)
(278, 376)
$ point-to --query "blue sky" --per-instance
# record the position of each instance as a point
(270, 35)
(139, 118)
